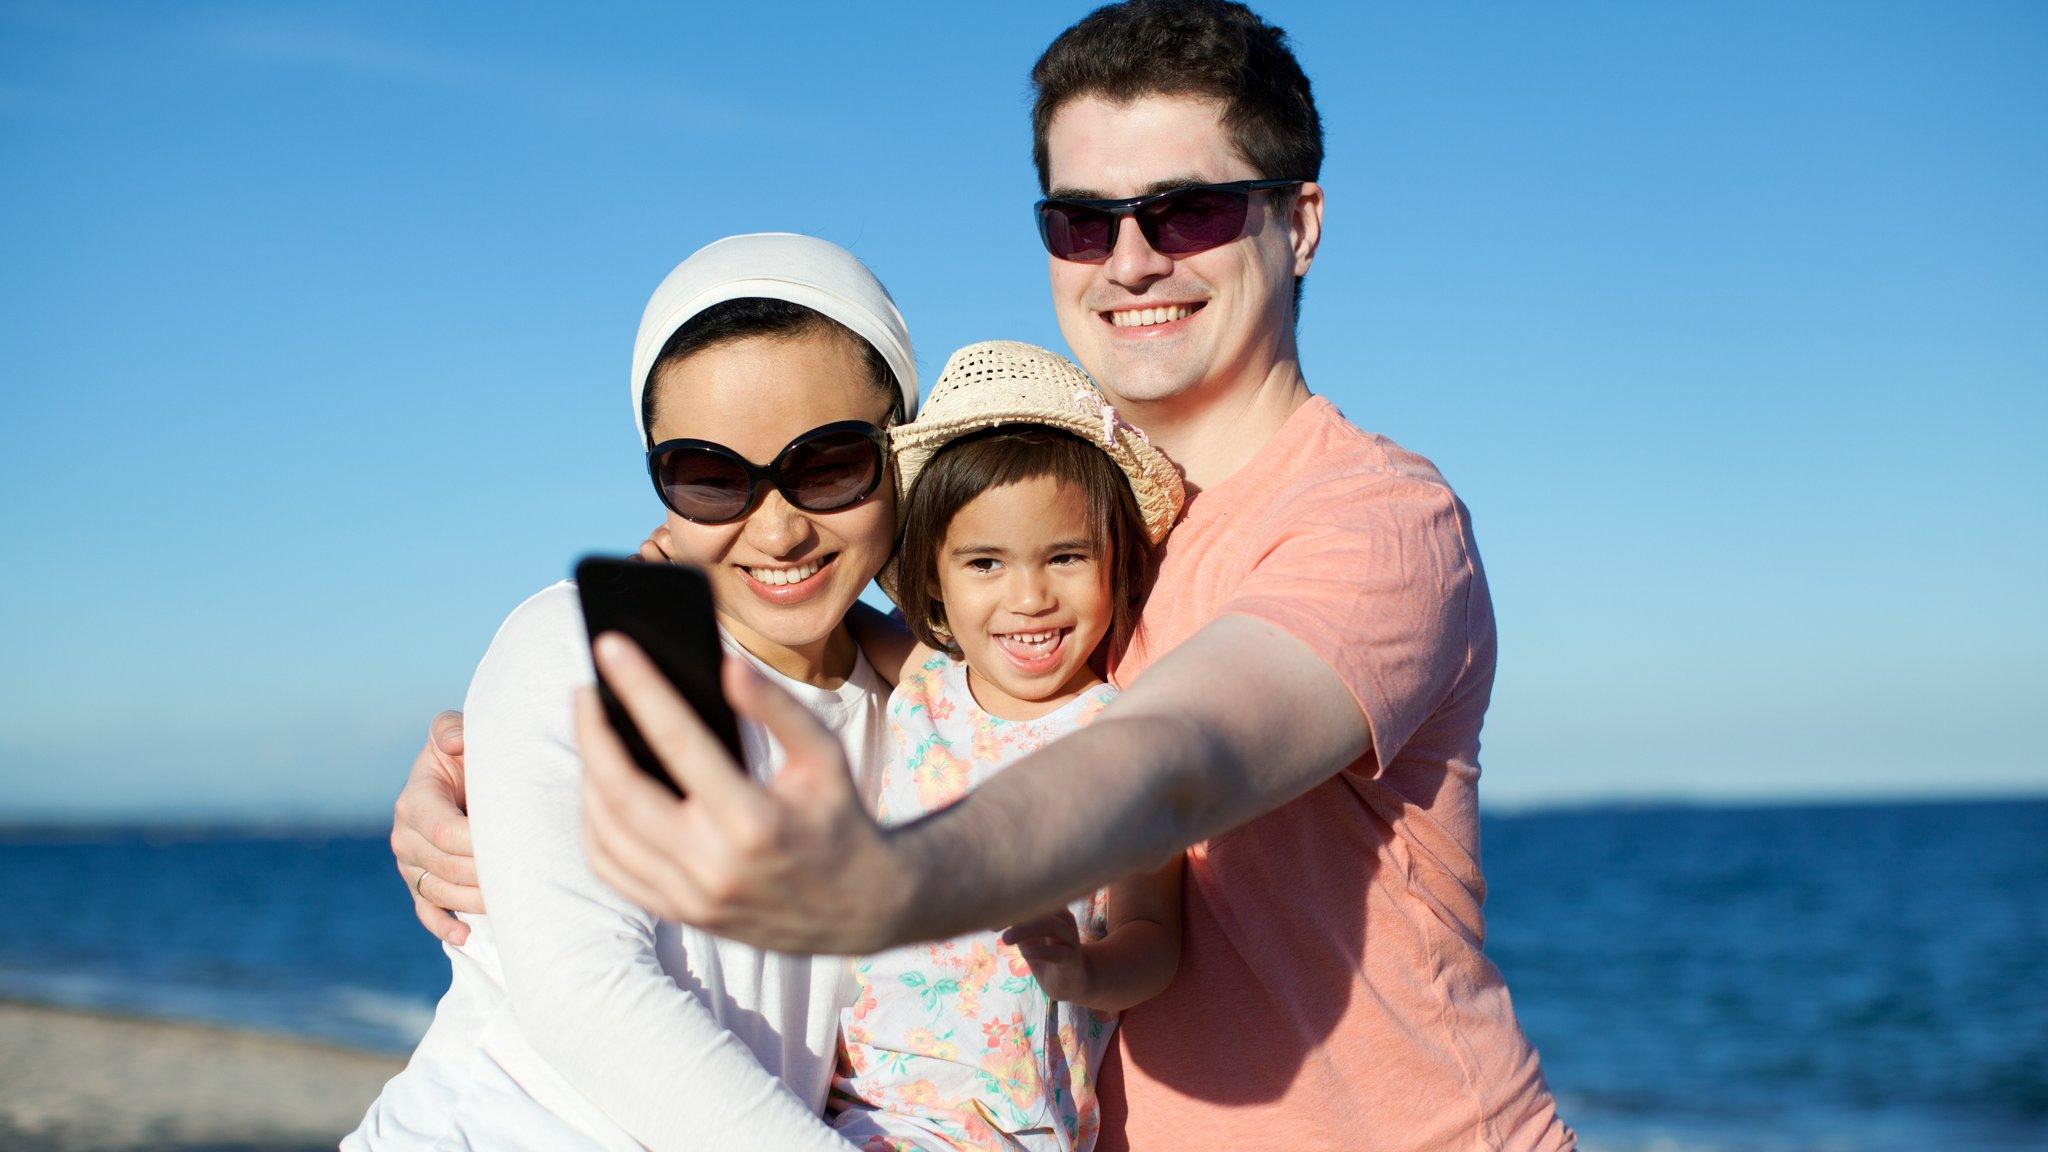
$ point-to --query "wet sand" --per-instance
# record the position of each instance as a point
(72, 1081)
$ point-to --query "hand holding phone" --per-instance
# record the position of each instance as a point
(666, 610)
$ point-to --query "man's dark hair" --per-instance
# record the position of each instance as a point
(760, 316)
(994, 458)
(1210, 48)
(1213, 48)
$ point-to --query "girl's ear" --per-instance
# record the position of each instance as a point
(935, 613)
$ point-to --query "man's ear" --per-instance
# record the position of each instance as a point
(1305, 225)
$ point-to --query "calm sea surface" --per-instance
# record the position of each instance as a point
(1756, 979)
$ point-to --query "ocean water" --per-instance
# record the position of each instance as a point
(1828, 978)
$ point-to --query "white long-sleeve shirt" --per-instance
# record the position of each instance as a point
(575, 1019)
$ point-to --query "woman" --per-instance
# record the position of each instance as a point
(573, 1018)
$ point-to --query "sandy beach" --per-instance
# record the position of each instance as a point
(72, 1081)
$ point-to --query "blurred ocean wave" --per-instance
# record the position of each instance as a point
(305, 932)
(1864, 978)
(1848, 977)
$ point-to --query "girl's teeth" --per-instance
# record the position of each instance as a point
(1034, 639)
(776, 577)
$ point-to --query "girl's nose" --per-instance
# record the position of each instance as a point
(1030, 592)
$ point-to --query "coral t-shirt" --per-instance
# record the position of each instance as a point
(1332, 991)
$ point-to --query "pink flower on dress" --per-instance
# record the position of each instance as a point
(1010, 1061)
(988, 739)
(919, 1092)
(1025, 743)
(925, 1042)
(1000, 1033)
(981, 968)
(865, 1002)
(941, 776)
(926, 689)
(979, 1127)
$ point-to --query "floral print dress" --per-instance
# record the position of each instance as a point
(953, 1045)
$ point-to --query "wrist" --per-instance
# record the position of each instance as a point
(901, 895)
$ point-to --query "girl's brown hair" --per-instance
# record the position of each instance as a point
(993, 458)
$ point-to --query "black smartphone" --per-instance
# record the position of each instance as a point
(666, 609)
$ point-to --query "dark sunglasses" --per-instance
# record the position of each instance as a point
(1180, 222)
(830, 467)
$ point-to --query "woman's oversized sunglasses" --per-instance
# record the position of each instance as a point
(830, 467)
(1179, 222)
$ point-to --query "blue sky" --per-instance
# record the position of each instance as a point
(1729, 321)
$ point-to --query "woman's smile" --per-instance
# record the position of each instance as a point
(788, 583)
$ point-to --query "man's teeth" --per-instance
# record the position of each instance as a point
(1146, 317)
(780, 576)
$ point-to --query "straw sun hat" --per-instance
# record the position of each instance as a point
(998, 382)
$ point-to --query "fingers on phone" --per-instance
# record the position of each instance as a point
(609, 773)
(692, 755)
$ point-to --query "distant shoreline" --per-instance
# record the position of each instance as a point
(59, 827)
(119, 1017)
(77, 1079)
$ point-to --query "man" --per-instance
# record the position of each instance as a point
(1303, 694)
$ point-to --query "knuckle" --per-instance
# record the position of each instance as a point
(721, 888)
(751, 837)
(441, 834)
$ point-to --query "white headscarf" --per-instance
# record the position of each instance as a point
(817, 274)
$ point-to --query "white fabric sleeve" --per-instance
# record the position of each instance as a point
(580, 966)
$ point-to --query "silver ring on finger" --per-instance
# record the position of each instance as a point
(418, 886)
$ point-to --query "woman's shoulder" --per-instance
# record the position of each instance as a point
(551, 609)
(542, 642)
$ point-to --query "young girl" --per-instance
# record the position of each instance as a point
(1030, 510)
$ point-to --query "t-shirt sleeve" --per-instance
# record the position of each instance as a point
(580, 962)
(1377, 573)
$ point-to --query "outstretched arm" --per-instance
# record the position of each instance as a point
(1236, 721)
(1240, 719)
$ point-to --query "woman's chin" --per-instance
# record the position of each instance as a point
(796, 627)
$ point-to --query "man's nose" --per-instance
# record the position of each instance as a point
(1133, 263)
